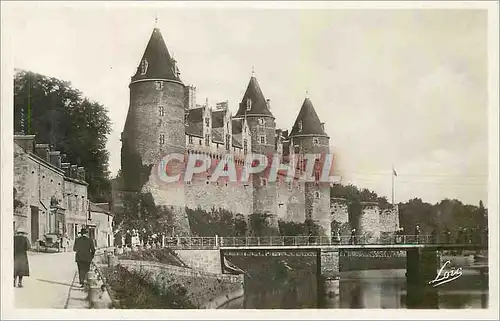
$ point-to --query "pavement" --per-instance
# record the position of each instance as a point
(52, 284)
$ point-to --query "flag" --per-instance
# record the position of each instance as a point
(394, 172)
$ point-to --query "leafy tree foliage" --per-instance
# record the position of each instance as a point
(61, 116)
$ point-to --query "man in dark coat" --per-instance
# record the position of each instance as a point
(21, 264)
(85, 250)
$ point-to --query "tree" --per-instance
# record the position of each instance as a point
(73, 124)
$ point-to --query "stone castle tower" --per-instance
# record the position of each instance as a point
(255, 109)
(154, 127)
(308, 137)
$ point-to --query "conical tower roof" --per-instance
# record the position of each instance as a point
(156, 63)
(258, 102)
(311, 125)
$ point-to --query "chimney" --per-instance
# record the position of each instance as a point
(73, 171)
(55, 158)
(190, 97)
(66, 168)
(81, 173)
(27, 142)
(268, 102)
(42, 151)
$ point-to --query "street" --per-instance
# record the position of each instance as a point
(49, 285)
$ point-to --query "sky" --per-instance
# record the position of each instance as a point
(402, 88)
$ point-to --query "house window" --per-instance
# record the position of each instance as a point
(190, 139)
(300, 126)
(207, 139)
(249, 104)
(317, 194)
(207, 121)
(162, 139)
(245, 146)
(260, 121)
(262, 139)
(228, 140)
(162, 111)
(159, 85)
(144, 67)
(316, 141)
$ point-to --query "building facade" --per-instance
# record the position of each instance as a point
(100, 224)
(50, 197)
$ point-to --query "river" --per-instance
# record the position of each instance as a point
(369, 289)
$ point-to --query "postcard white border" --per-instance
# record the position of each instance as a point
(8, 35)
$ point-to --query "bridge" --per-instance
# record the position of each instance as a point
(363, 243)
(422, 260)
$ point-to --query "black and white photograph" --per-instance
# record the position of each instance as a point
(267, 156)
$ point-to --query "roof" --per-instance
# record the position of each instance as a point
(217, 135)
(218, 118)
(194, 122)
(160, 64)
(311, 125)
(237, 142)
(259, 103)
(237, 126)
(99, 208)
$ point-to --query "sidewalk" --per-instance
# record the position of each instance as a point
(52, 284)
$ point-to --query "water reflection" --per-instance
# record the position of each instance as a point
(374, 289)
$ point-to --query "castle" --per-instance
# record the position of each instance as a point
(163, 118)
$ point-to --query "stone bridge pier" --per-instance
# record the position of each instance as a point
(422, 266)
(328, 273)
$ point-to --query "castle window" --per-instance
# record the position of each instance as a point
(207, 121)
(159, 85)
(188, 182)
(317, 194)
(316, 141)
(144, 67)
(162, 139)
(249, 104)
(207, 139)
(227, 126)
(300, 126)
(261, 121)
(245, 146)
(263, 182)
(228, 140)
(190, 139)
(290, 186)
(200, 141)
(162, 111)
(262, 139)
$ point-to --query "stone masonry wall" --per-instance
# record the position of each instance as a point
(291, 202)
(329, 263)
(203, 289)
(389, 220)
(340, 213)
(208, 261)
(369, 224)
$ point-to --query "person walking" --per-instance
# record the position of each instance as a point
(85, 251)
(21, 264)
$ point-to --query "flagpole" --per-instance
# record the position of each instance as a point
(392, 175)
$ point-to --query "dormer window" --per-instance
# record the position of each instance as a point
(159, 85)
(144, 67)
(249, 104)
(162, 111)
(300, 126)
(261, 121)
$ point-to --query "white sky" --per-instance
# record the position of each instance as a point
(407, 88)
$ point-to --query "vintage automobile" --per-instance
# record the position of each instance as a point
(50, 241)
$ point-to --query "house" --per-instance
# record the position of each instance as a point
(100, 224)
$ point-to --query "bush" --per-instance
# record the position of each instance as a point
(133, 290)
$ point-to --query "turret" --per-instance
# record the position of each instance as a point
(255, 109)
(155, 127)
(308, 137)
